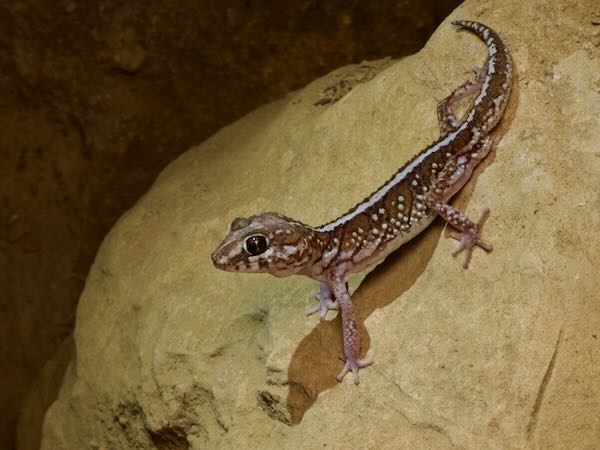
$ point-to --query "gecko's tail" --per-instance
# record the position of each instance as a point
(483, 31)
(497, 83)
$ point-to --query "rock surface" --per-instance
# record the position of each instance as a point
(171, 353)
(96, 97)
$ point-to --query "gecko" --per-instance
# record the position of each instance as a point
(395, 213)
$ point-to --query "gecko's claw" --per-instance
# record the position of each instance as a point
(325, 304)
(353, 365)
(470, 238)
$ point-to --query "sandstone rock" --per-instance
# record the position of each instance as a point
(171, 353)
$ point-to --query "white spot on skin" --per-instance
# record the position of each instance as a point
(381, 211)
(384, 226)
(375, 231)
(290, 249)
(329, 255)
(374, 217)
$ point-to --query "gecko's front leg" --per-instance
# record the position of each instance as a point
(326, 302)
(349, 331)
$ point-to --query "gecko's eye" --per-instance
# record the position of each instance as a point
(255, 244)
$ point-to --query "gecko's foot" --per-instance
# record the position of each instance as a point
(353, 365)
(325, 304)
(471, 237)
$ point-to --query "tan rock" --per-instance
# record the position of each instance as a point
(171, 352)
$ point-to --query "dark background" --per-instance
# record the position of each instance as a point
(96, 97)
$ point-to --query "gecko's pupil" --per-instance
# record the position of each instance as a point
(255, 245)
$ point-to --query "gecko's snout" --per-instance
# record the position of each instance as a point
(219, 260)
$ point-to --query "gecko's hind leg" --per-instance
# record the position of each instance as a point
(469, 232)
(446, 117)
(326, 302)
(454, 175)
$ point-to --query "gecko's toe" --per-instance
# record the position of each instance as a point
(470, 238)
(322, 308)
(353, 365)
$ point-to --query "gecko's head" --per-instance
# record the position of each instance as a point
(267, 242)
